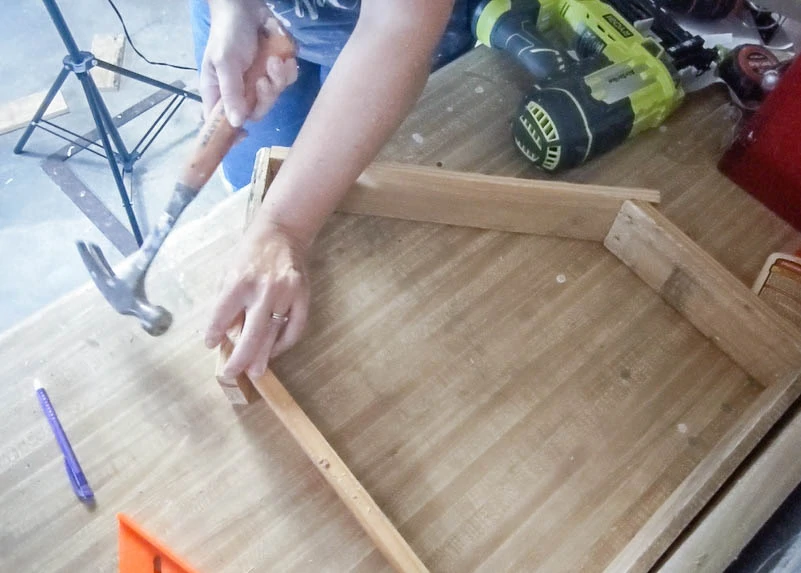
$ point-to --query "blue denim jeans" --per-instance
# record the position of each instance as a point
(282, 124)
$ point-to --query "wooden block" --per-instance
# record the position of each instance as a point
(109, 48)
(18, 113)
(369, 515)
(763, 343)
(485, 201)
(239, 390)
(268, 160)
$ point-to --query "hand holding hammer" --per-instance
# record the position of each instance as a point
(125, 290)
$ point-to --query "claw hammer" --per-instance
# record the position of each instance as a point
(125, 289)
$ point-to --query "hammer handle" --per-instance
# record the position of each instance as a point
(217, 135)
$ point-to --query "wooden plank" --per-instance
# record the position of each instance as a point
(429, 194)
(109, 48)
(741, 508)
(369, 515)
(241, 391)
(762, 342)
(760, 485)
(667, 523)
(18, 113)
(499, 417)
(268, 160)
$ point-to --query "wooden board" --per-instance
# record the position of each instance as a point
(656, 250)
(467, 456)
(18, 113)
(761, 341)
(746, 502)
(760, 484)
(109, 48)
(512, 204)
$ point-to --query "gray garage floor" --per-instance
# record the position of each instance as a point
(38, 223)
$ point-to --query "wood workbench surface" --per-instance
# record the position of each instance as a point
(510, 401)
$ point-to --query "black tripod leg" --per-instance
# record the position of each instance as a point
(97, 115)
(62, 75)
(147, 80)
(100, 106)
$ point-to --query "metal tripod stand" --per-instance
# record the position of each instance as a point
(111, 147)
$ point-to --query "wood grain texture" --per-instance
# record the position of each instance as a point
(18, 113)
(226, 489)
(502, 420)
(339, 476)
(109, 48)
(505, 420)
(743, 506)
(756, 490)
(761, 341)
(510, 204)
(239, 390)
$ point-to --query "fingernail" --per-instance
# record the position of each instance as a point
(256, 372)
(236, 118)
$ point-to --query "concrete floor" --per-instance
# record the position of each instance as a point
(39, 224)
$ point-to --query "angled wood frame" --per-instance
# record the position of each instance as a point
(754, 336)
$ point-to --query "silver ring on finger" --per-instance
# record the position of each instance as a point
(280, 318)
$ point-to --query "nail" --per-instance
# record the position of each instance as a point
(256, 372)
(212, 339)
(236, 118)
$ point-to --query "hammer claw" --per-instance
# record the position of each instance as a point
(94, 259)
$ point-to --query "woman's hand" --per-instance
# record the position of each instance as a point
(267, 281)
(231, 50)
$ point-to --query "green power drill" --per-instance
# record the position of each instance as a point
(623, 79)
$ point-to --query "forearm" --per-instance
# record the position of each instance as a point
(376, 80)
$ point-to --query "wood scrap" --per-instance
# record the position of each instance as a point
(109, 48)
(18, 113)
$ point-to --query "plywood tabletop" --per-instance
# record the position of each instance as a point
(510, 401)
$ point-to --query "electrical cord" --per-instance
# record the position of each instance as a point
(140, 54)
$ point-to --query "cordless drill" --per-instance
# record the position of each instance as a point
(622, 80)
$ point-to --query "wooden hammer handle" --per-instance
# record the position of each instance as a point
(217, 135)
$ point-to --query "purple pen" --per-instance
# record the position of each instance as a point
(79, 484)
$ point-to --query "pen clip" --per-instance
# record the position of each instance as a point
(79, 485)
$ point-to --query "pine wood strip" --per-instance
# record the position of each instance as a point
(510, 204)
(109, 48)
(380, 529)
(18, 113)
(762, 342)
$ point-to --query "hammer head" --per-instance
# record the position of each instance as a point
(126, 291)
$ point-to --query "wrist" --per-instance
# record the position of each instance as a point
(265, 229)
